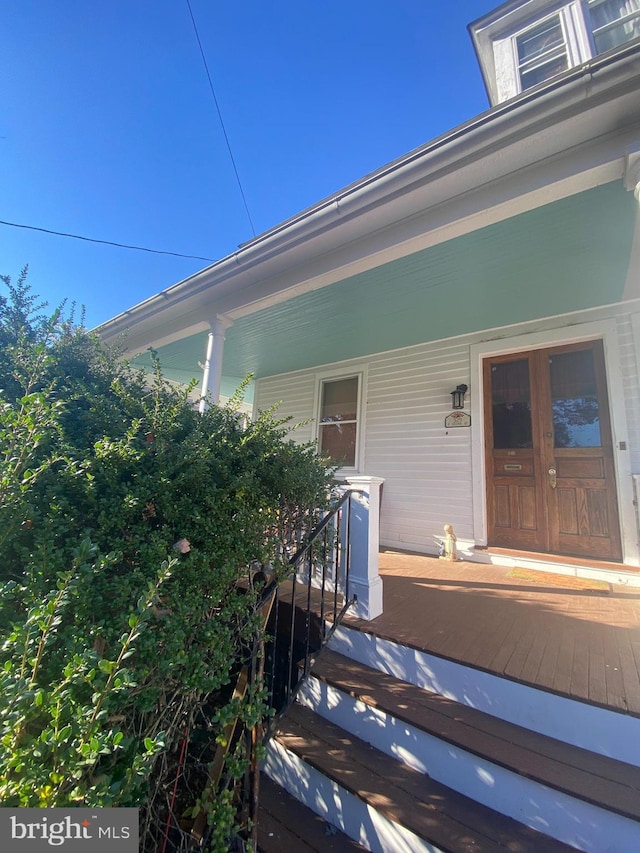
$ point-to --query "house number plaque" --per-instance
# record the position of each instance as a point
(457, 419)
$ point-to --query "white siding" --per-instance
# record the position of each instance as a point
(293, 393)
(427, 468)
(629, 360)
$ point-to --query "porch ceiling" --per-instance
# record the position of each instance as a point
(569, 255)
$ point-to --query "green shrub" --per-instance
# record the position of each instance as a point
(127, 521)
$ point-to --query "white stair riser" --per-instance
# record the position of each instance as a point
(559, 815)
(340, 807)
(596, 729)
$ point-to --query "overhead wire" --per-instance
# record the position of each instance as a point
(224, 131)
(144, 248)
(105, 242)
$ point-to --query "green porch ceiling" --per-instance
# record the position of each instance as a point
(565, 256)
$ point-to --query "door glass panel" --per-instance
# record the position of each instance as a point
(511, 404)
(574, 400)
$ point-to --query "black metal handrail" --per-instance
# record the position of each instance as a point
(320, 567)
(312, 562)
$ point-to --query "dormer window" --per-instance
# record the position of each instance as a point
(524, 43)
(542, 52)
(613, 22)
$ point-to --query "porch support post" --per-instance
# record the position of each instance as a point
(632, 183)
(364, 580)
(212, 370)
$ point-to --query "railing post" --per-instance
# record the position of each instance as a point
(364, 580)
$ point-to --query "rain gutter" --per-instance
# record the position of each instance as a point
(393, 180)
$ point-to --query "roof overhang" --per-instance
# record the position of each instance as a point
(568, 136)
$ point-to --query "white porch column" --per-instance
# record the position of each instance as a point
(212, 370)
(364, 580)
(631, 180)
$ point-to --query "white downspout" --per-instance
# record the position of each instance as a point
(212, 370)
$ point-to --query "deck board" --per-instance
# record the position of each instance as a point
(579, 643)
(560, 680)
(613, 673)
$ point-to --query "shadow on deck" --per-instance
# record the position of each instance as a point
(578, 639)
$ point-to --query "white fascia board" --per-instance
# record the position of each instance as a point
(526, 152)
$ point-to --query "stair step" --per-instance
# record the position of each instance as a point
(601, 781)
(286, 824)
(431, 811)
(601, 730)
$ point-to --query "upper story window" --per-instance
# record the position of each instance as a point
(613, 22)
(520, 45)
(338, 420)
(542, 52)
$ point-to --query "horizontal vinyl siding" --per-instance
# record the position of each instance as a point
(629, 368)
(407, 397)
(293, 393)
(427, 469)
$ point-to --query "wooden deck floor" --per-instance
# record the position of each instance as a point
(582, 643)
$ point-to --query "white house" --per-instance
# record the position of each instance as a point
(503, 256)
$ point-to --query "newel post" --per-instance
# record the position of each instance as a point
(364, 580)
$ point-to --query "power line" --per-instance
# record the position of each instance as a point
(215, 99)
(105, 242)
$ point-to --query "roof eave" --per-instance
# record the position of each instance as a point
(316, 227)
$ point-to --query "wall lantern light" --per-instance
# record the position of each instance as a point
(457, 397)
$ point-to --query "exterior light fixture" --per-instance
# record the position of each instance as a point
(457, 397)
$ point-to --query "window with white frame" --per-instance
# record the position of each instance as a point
(613, 22)
(542, 52)
(338, 420)
(528, 52)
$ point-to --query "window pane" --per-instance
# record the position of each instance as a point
(338, 441)
(540, 39)
(574, 400)
(614, 22)
(511, 403)
(339, 400)
(543, 72)
(542, 52)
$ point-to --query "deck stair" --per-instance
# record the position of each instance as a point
(285, 824)
(401, 768)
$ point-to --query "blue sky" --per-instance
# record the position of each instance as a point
(108, 128)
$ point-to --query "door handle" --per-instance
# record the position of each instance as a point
(552, 477)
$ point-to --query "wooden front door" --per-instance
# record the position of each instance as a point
(549, 457)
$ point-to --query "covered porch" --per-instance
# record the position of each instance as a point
(572, 636)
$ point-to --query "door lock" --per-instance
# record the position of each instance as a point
(552, 477)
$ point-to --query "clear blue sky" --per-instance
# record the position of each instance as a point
(108, 128)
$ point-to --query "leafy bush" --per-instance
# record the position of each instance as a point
(127, 521)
